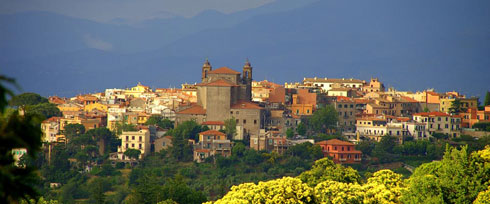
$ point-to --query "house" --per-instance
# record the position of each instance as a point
(326, 83)
(50, 128)
(346, 108)
(212, 143)
(340, 151)
(163, 143)
(304, 103)
(139, 140)
(373, 86)
(215, 125)
(439, 122)
(473, 115)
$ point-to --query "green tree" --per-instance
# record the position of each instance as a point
(159, 121)
(457, 178)
(456, 107)
(132, 153)
(17, 132)
(47, 110)
(325, 169)
(97, 191)
(290, 133)
(487, 99)
(301, 129)
(426, 109)
(323, 119)
(27, 99)
(103, 136)
(230, 128)
(178, 191)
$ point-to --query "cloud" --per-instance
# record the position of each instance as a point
(96, 43)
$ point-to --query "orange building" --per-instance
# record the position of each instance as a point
(473, 115)
(340, 151)
(304, 103)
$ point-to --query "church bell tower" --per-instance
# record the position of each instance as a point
(247, 72)
(206, 67)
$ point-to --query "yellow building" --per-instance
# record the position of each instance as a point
(446, 103)
(95, 106)
(139, 140)
(137, 90)
(438, 122)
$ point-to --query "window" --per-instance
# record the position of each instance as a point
(132, 145)
(132, 137)
(351, 106)
(163, 144)
(141, 138)
(140, 146)
(297, 111)
(255, 121)
(340, 106)
(334, 148)
(340, 113)
(236, 120)
(308, 111)
(231, 112)
(237, 112)
(348, 148)
(127, 146)
(244, 121)
(342, 148)
(127, 138)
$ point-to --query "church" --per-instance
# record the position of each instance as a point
(225, 94)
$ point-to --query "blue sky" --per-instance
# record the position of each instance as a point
(130, 10)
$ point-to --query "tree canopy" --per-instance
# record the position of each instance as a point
(17, 132)
(323, 119)
(27, 99)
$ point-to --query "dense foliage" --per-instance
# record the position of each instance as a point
(457, 178)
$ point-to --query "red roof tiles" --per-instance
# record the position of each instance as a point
(223, 70)
(334, 142)
(212, 132)
(195, 109)
(431, 114)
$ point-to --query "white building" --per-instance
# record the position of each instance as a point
(327, 83)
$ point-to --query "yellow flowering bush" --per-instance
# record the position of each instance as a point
(384, 187)
(286, 190)
(338, 192)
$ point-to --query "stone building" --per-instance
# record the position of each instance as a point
(225, 94)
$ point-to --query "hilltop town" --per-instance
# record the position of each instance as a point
(264, 112)
(227, 114)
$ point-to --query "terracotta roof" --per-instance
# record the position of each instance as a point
(334, 142)
(431, 114)
(202, 150)
(213, 123)
(52, 119)
(361, 101)
(245, 105)
(195, 109)
(212, 132)
(408, 99)
(344, 98)
(169, 137)
(219, 82)
(278, 95)
(223, 70)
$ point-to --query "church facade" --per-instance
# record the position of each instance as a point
(225, 94)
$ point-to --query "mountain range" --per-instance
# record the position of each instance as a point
(410, 45)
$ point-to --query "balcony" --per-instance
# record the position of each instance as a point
(357, 159)
(342, 159)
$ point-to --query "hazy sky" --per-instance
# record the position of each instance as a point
(132, 10)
